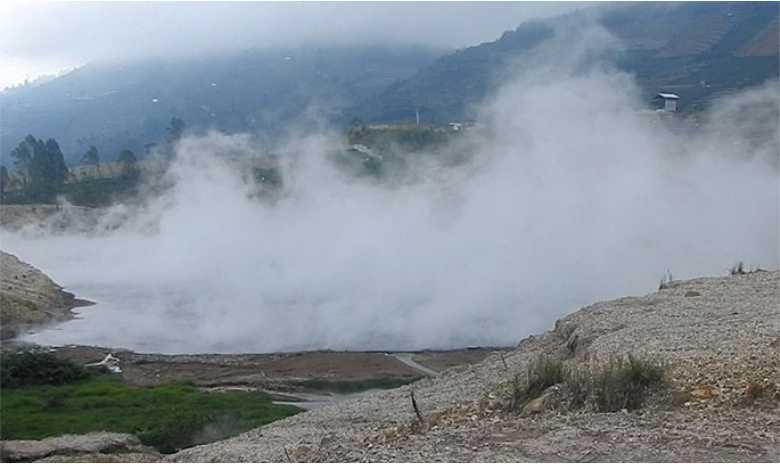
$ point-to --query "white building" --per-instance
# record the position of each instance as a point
(670, 101)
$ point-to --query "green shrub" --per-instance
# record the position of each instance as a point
(623, 383)
(580, 385)
(542, 374)
(19, 369)
(175, 432)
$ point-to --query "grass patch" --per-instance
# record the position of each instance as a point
(169, 417)
(623, 383)
(354, 386)
(543, 373)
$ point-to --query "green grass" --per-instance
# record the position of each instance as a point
(167, 417)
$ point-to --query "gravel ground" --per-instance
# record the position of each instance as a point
(718, 336)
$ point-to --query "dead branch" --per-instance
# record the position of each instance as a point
(416, 409)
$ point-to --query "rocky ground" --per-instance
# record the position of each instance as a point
(92, 447)
(28, 297)
(718, 337)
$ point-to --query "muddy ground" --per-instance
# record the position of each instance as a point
(301, 372)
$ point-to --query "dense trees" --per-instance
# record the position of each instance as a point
(129, 164)
(41, 175)
(91, 157)
(5, 179)
(40, 165)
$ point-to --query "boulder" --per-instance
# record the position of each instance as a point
(71, 445)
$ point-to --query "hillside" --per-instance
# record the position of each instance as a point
(129, 105)
(719, 339)
(698, 50)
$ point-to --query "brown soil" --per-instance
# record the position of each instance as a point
(276, 371)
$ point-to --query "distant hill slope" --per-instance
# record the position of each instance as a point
(699, 50)
(116, 106)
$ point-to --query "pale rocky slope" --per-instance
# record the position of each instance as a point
(29, 297)
(717, 335)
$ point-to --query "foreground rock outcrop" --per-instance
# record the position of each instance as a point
(91, 447)
(719, 337)
(28, 297)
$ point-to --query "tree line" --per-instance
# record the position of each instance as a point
(41, 172)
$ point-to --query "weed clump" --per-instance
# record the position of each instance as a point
(623, 383)
(667, 281)
(542, 374)
(738, 269)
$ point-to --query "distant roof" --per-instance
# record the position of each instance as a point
(669, 96)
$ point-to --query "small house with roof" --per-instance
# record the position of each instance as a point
(670, 101)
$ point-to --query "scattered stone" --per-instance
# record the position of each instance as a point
(704, 392)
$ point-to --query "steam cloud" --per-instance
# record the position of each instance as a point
(573, 194)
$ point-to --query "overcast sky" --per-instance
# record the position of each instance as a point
(43, 38)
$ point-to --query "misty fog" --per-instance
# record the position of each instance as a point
(575, 192)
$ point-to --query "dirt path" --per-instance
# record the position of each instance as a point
(407, 358)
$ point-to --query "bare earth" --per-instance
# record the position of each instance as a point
(717, 335)
(273, 371)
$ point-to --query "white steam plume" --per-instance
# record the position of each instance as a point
(576, 195)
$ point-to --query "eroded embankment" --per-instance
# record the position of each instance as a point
(29, 298)
(718, 337)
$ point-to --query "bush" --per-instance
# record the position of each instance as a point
(623, 383)
(580, 386)
(543, 373)
(738, 269)
(175, 432)
(19, 369)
